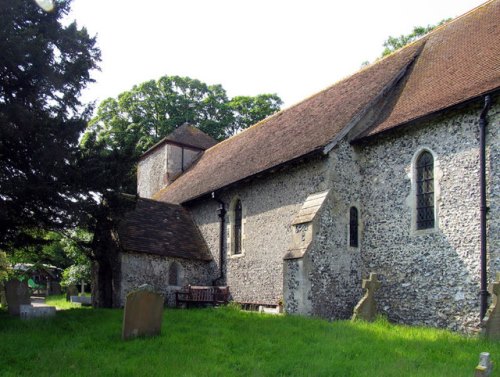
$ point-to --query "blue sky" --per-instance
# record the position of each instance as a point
(292, 48)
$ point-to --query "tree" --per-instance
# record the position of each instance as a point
(44, 65)
(392, 44)
(127, 126)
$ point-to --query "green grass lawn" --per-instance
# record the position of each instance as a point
(227, 342)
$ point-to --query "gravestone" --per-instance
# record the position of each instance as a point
(143, 313)
(485, 366)
(367, 307)
(71, 290)
(491, 322)
(17, 293)
(30, 311)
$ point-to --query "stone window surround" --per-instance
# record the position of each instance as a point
(230, 228)
(179, 272)
(412, 198)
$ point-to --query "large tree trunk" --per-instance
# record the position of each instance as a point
(106, 264)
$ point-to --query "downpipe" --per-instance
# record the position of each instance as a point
(221, 213)
(483, 122)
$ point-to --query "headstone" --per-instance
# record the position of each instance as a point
(367, 307)
(485, 366)
(30, 312)
(71, 290)
(143, 313)
(491, 322)
(17, 293)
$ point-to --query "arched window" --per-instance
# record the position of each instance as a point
(237, 227)
(425, 191)
(174, 274)
(353, 227)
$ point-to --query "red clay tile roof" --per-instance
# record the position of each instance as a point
(460, 61)
(454, 63)
(162, 229)
(188, 136)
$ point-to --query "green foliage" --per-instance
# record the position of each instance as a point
(73, 275)
(44, 65)
(226, 342)
(4, 267)
(127, 126)
(395, 43)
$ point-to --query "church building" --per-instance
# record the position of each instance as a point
(393, 170)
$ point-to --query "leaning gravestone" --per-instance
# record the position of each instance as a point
(367, 307)
(491, 323)
(143, 313)
(485, 366)
(17, 293)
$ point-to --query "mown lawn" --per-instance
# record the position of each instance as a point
(227, 342)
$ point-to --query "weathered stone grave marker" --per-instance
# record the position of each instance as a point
(367, 307)
(491, 323)
(17, 293)
(143, 313)
(485, 366)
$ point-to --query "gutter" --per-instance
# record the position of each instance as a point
(483, 122)
(221, 212)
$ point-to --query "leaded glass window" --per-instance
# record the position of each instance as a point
(425, 191)
(353, 227)
(238, 219)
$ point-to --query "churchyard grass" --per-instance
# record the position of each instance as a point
(228, 342)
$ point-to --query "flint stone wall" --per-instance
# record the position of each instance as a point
(269, 205)
(430, 277)
(330, 271)
(140, 268)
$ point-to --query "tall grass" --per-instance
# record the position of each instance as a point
(227, 342)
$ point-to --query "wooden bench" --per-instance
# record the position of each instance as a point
(202, 295)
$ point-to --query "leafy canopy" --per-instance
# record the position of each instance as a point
(392, 44)
(43, 68)
(125, 127)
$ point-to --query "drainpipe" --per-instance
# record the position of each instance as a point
(482, 186)
(221, 212)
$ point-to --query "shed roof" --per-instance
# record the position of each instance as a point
(455, 63)
(162, 229)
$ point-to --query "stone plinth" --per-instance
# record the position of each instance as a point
(83, 300)
(485, 366)
(30, 312)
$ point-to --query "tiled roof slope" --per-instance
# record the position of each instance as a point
(459, 62)
(301, 129)
(454, 63)
(162, 229)
(186, 135)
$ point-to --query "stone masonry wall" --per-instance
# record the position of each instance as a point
(430, 277)
(140, 268)
(162, 166)
(151, 172)
(335, 266)
(269, 206)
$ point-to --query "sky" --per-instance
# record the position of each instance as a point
(293, 48)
